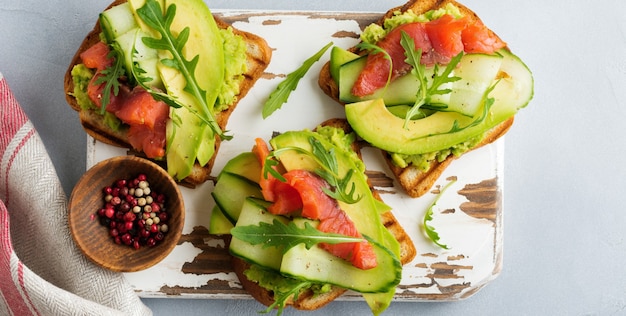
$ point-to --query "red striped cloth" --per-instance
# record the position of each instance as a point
(41, 270)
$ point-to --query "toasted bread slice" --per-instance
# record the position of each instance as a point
(308, 300)
(258, 58)
(415, 182)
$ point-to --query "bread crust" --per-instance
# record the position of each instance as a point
(308, 300)
(258, 54)
(415, 182)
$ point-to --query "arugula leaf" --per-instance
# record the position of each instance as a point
(283, 90)
(330, 173)
(111, 75)
(286, 236)
(140, 75)
(153, 16)
(487, 104)
(281, 298)
(425, 92)
(430, 231)
(269, 168)
(329, 170)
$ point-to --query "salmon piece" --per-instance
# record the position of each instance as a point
(439, 40)
(317, 205)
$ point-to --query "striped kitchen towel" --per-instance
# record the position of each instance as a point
(42, 272)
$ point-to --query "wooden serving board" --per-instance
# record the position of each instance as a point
(468, 217)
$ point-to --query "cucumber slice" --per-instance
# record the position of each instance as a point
(117, 21)
(147, 58)
(401, 91)
(338, 57)
(252, 213)
(219, 224)
(516, 83)
(318, 265)
(230, 191)
(477, 73)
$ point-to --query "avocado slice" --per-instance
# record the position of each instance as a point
(376, 124)
(219, 224)
(188, 138)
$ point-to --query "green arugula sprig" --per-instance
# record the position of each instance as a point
(286, 236)
(280, 96)
(425, 92)
(153, 16)
(329, 170)
(111, 75)
(281, 298)
(487, 104)
(429, 230)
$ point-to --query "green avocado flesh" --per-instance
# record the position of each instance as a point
(186, 145)
(441, 130)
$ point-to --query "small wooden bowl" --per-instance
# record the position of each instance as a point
(94, 240)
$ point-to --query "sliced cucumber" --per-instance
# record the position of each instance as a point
(252, 213)
(136, 51)
(318, 265)
(338, 57)
(117, 21)
(401, 91)
(219, 223)
(516, 83)
(237, 180)
(230, 191)
(119, 25)
(477, 73)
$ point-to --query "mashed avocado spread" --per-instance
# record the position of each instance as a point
(423, 161)
(235, 67)
(339, 138)
(81, 75)
(374, 32)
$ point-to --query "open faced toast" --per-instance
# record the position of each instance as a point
(308, 300)
(258, 56)
(416, 181)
